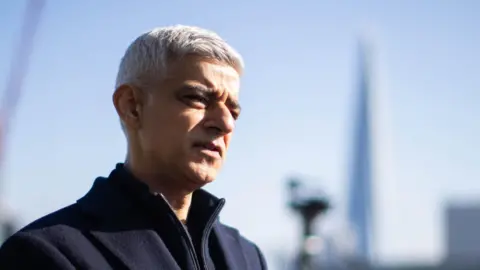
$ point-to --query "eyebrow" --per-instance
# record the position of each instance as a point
(233, 104)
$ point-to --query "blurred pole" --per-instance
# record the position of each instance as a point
(13, 90)
(309, 209)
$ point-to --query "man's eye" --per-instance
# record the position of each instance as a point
(196, 98)
(235, 114)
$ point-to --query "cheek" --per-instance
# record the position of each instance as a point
(192, 119)
(155, 130)
(171, 129)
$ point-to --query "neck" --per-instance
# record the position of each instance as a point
(179, 199)
(180, 205)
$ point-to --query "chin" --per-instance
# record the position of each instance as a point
(202, 174)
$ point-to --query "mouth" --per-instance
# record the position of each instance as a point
(209, 148)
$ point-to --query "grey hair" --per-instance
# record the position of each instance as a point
(147, 58)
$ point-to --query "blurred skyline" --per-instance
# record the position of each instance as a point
(297, 96)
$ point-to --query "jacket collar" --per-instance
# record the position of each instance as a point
(121, 193)
(114, 201)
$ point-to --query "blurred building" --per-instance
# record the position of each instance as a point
(462, 240)
(463, 234)
(360, 208)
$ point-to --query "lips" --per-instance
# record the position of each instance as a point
(209, 146)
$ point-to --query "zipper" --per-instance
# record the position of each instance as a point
(205, 234)
(185, 233)
(192, 248)
(208, 230)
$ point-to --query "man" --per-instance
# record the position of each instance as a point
(177, 98)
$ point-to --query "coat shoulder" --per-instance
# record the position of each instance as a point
(32, 249)
(55, 241)
(64, 221)
(249, 248)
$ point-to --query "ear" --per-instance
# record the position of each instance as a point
(128, 102)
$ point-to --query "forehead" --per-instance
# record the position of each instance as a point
(213, 74)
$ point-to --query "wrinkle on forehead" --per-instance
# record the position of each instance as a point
(220, 77)
(212, 74)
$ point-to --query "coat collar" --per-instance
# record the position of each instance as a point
(120, 193)
(127, 231)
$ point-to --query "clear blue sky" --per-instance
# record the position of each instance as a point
(297, 95)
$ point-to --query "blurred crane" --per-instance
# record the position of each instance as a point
(13, 90)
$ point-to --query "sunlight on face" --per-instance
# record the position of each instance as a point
(187, 126)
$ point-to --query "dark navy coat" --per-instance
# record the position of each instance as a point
(119, 224)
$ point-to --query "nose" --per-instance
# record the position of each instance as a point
(220, 120)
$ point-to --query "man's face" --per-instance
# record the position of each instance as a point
(187, 121)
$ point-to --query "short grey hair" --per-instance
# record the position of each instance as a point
(147, 58)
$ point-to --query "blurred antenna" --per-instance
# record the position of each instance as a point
(309, 207)
(13, 90)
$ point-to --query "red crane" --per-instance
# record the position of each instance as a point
(13, 90)
(19, 68)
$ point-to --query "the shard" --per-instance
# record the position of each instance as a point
(361, 172)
